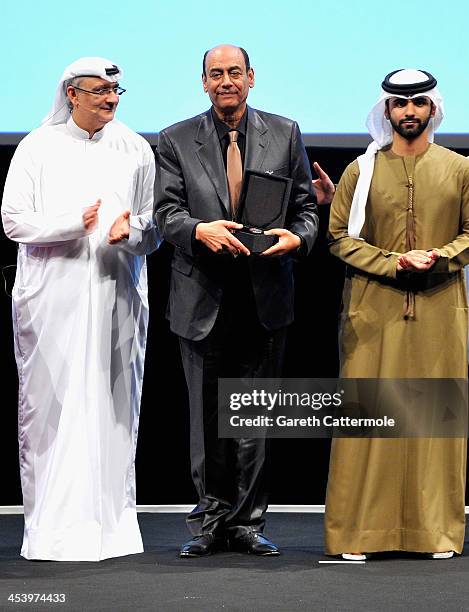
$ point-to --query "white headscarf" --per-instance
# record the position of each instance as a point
(86, 66)
(381, 130)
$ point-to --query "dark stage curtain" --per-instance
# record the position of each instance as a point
(299, 467)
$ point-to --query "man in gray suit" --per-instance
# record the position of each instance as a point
(229, 308)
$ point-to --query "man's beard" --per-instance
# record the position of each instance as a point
(410, 132)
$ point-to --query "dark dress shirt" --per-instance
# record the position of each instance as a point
(223, 129)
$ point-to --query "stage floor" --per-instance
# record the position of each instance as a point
(230, 582)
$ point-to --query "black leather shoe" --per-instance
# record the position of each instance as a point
(200, 546)
(254, 543)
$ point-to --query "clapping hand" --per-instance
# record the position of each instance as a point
(120, 229)
(90, 216)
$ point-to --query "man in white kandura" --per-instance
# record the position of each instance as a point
(78, 200)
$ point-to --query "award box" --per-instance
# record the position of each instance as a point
(262, 206)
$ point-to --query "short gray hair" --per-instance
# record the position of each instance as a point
(75, 82)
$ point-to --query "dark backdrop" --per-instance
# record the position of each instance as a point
(299, 467)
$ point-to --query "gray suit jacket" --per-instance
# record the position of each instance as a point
(191, 186)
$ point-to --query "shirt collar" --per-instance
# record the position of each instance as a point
(223, 129)
(80, 134)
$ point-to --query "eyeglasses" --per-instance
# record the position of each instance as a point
(104, 91)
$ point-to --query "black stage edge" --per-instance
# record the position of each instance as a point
(158, 580)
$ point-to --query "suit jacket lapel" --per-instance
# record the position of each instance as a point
(257, 141)
(210, 156)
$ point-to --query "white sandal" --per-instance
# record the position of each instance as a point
(442, 555)
(352, 557)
